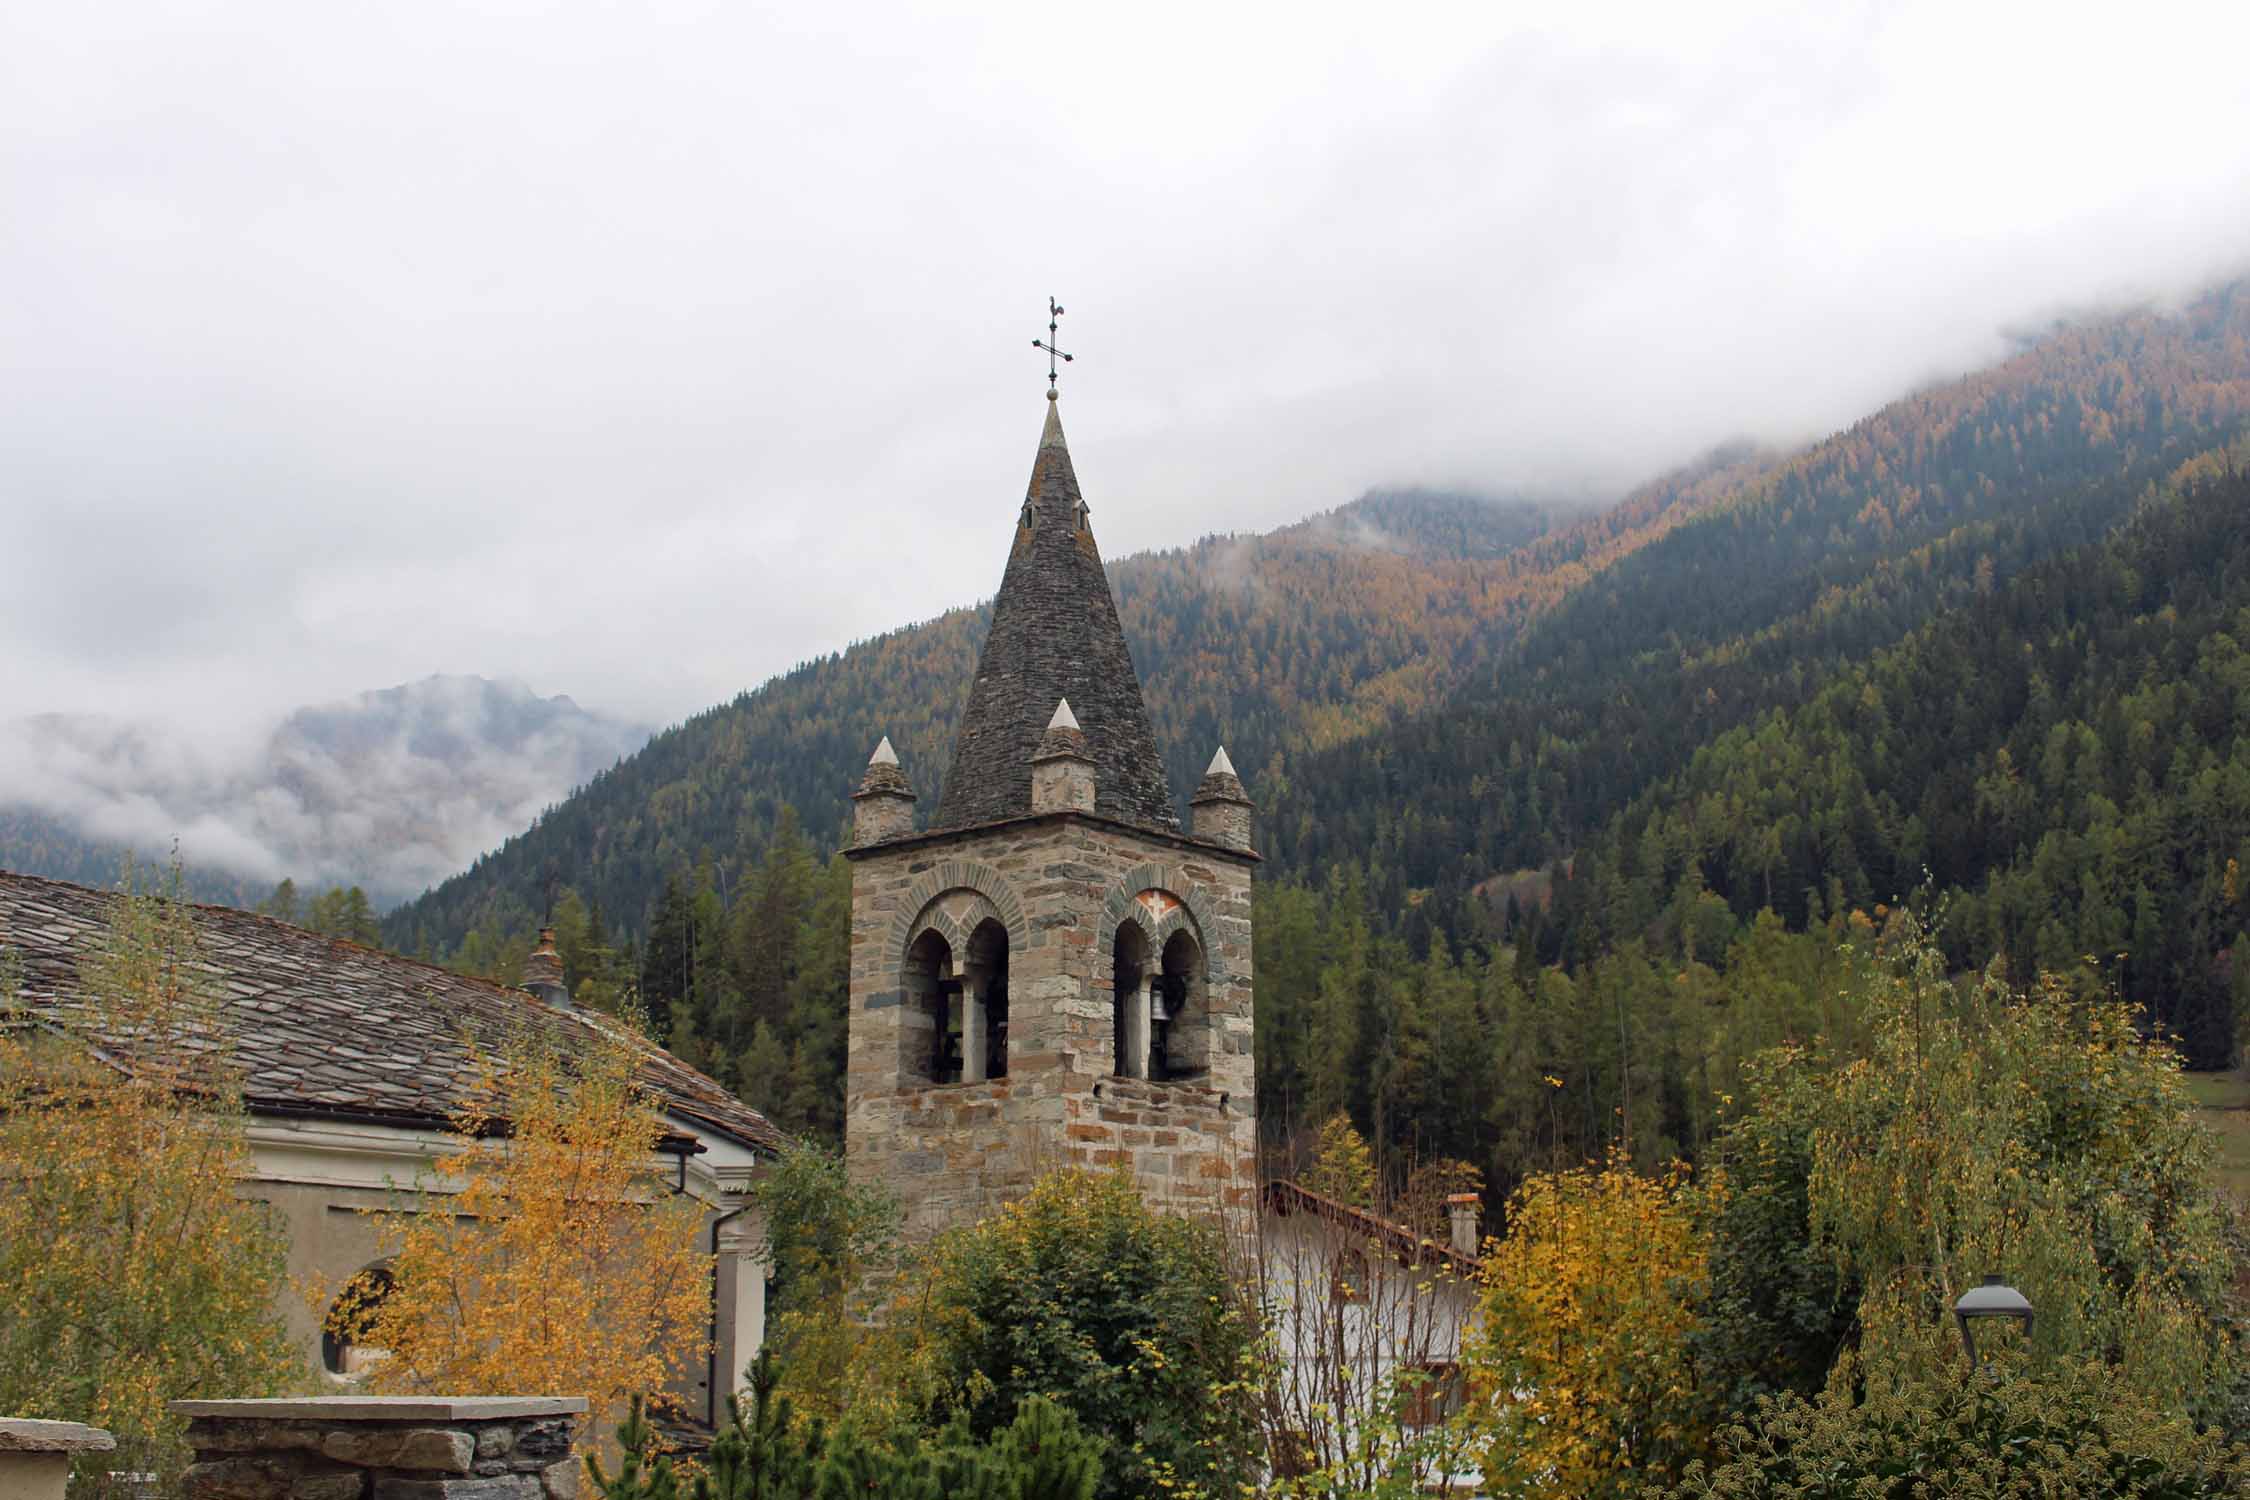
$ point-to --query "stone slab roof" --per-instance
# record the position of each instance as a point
(1284, 1198)
(1054, 636)
(327, 1028)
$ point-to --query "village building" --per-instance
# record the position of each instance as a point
(1053, 972)
(353, 1063)
(1364, 1311)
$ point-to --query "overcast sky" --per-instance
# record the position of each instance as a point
(641, 350)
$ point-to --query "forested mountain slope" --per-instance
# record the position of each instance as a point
(2063, 762)
(2067, 755)
(1747, 606)
(1312, 635)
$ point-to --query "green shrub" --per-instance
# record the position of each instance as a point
(2067, 1431)
(1124, 1316)
(764, 1454)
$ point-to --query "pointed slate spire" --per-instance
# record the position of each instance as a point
(1054, 635)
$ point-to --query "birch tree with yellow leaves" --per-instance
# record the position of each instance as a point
(131, 1271)
(1581, 1362)
(548, 1257)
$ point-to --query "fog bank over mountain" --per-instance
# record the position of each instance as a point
(391, 790)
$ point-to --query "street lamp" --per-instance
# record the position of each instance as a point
(1995, 1299)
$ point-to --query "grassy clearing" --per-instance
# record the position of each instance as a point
(2225, 1098)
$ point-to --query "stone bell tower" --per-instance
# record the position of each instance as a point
(1053, 972)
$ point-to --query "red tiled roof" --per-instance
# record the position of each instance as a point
(320, 1026)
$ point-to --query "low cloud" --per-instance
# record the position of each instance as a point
(391, 791)
(647, 351)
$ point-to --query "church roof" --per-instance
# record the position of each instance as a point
(328, 1029)
(1054, 635)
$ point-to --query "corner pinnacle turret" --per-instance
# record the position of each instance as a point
(883, 807)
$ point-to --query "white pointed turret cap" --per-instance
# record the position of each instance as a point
(884, 755)
(1220, 765)
(1064, 718)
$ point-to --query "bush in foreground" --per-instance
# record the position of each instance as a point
(2064, 1431)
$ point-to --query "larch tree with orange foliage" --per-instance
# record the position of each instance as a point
(548, 1257)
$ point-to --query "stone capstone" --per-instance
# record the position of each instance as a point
(35, 1435)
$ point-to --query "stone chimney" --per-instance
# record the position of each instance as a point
(543, 972)
(1062, 767)
(1219, 813)
(1462, 1209)
(883, 807)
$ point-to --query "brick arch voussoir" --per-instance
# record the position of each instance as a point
(958, 875)
(1193, 914)
(1115, 916)
(1180, 919)
(941, 924)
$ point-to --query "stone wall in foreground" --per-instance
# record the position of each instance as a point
(384, 1448)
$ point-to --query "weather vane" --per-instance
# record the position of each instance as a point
(1054, 311)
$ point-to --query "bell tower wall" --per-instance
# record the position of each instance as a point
(1125, 996)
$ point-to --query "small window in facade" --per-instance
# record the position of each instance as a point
(344, 1349)
(1433, 1390)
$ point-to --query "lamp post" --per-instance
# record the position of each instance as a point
(1994, 1299)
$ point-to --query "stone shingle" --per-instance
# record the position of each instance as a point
(317, 1023)
(1054, 635)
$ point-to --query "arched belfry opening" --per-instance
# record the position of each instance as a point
(1180, 1028)
(1161, 1023)
(984, 1004)
(953, 1024)
(928, 998)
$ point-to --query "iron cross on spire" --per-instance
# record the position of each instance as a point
(1054, 311)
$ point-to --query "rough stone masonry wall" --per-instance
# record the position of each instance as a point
(1060, 884)
(384, 1448)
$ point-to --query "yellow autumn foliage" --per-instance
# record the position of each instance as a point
(1580, 1359)
(548, 1257)
(132, 1272)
